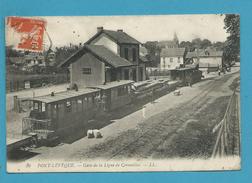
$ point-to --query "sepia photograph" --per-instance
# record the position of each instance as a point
(123, 93)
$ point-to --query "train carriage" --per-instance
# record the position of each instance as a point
(186, 75)
(59, 113)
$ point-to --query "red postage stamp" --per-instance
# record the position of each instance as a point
(31, 32)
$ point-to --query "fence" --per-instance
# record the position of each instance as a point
(228, 137)
(13, 85)
(157, 72)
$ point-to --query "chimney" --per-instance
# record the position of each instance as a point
(119, 30)
(99, 29)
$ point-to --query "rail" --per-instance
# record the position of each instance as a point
(228, 136)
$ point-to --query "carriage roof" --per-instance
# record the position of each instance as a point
(113, 84)
(64, 95)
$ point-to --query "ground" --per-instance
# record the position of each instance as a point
(171, 126)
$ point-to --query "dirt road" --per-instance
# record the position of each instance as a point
(184, 131)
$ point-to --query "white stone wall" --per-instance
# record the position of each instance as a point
(169, 63)
(210, 61)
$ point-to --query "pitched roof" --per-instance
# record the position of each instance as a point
(172, 52)
(108, 56)
(102, 53)
(204, 53)
(119, 37)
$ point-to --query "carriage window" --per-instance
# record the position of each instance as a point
(129, 89)
(74, 106)
(79, 105)
(61, 110)
(88, 102)
(36, 106)
(85, 101)
(122, 91)
(68, 106)
(54, 110)
(43, 107)
(49, 110)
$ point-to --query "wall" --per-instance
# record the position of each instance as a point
(106, 42)
(170, 65)
(97, 75)
(210, 62)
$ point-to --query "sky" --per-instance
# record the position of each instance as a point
(72, 29)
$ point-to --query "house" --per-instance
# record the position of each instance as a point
(171, 58)
(155, 47)
(33, 59)
(106, 57)
(206, 59)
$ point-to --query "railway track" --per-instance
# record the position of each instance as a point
(177, 121)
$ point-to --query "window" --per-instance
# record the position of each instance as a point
(134, 54)
(168, 66)
(68, 106)
(54, 111)
(126, 53)
(178, 59)
(171, 59)
(79, 105)
(74, 105)
(36, 106)
(123, 90)
(43, 107)
(86, 70)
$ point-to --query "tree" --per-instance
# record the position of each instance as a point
(219, 46)
(187, 45)
(196, 43)
(232, 46)
(205, 43)
(153, 52)
(62, 53)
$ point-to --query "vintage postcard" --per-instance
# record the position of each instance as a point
(123, 93)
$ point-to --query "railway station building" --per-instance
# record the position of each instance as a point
(106, 57)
